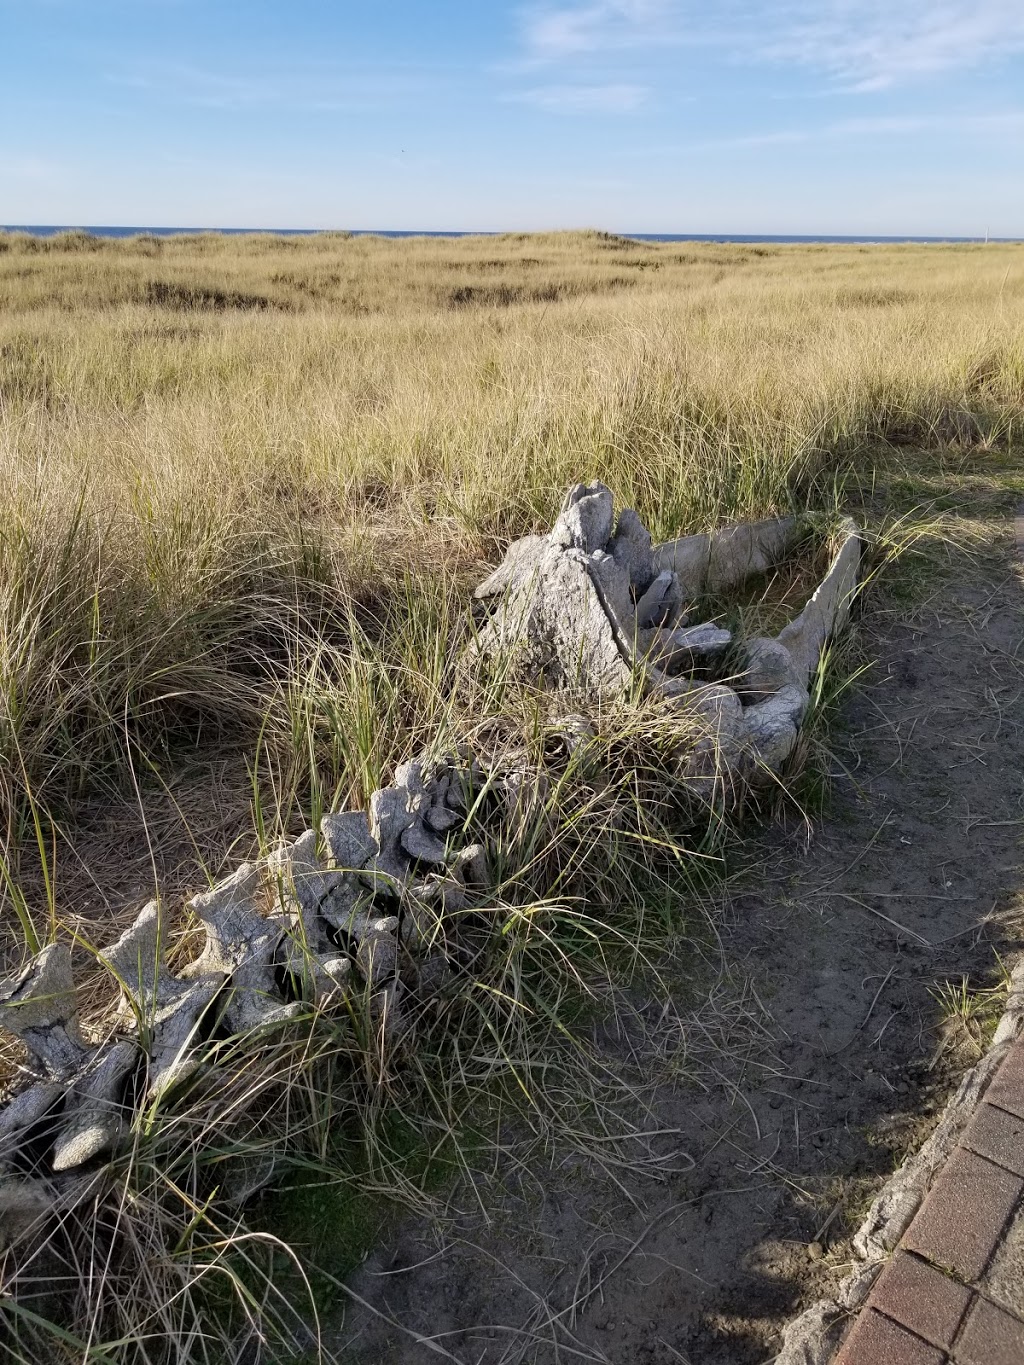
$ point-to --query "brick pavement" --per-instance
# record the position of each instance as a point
(943, 1298)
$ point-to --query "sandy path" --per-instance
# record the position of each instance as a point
(809, 1067)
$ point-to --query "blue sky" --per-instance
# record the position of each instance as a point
(834, 116)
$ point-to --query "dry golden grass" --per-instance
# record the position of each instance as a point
(224, 455)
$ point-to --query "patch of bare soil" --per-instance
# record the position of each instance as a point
(816, 1058)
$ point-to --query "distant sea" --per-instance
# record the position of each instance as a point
(50, 229)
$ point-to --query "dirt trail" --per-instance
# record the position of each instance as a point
(810, 1071)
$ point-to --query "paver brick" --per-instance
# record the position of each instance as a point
(1007, 1087)
(919, 1297)
(964, 1215)
(991, 1337)
(999, 1136)
(875, 1340)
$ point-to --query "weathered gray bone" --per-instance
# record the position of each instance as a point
(552, 626)
(829, 608)
(585, 521)
(631, 549)
(771, 728)
(660, 604)
(169, 1011)
(377, 953)
(312, 897)
(348, 839)
(94, 1114)
(689, 647)
(243, 946)
(305, 884)
(23, 1112)
(390, 817)
(423, 847)
(712, 563)
(769, 668)
(40, 1007)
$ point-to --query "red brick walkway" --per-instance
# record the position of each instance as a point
(953, 1294)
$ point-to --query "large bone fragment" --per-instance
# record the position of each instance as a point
(770, 729)
(304, 882)
(23, 1113)
(39, 1006)
(94, 1115)
(770, 667)
(390, 817)
(312, 898)
(828, 609)
(712, 563)
(753, 547)
(690, 647)
(585, 521)
(688, 559)
(553, 627)
(520, 558)
(631, 549)
(613, 587)
(348, 839)
(377, 953)
(716, 713)
(169, 1011)
(423, 847)
(660, 604)
(243, 946)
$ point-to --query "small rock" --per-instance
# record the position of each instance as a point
(441, 818)
(422, 847)
(585, 522)
(769, 669)
(631, 549)
(815, 1251)
(471, 867)
(348, 838)
(692, 646)
(660, 603)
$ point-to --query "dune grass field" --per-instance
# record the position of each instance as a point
(215, 450)
(249, 485)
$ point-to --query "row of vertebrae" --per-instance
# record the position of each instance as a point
(593, 607)
(283, 934)
(596, 607)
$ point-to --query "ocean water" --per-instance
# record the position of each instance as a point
(49, 230)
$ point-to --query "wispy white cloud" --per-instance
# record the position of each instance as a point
(552, 32)
(872, 44)
(583, 99)
(862, 44)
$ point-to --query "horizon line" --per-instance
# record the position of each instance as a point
(101, 229)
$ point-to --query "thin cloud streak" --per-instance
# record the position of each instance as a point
(553, 33)
(314, 89)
